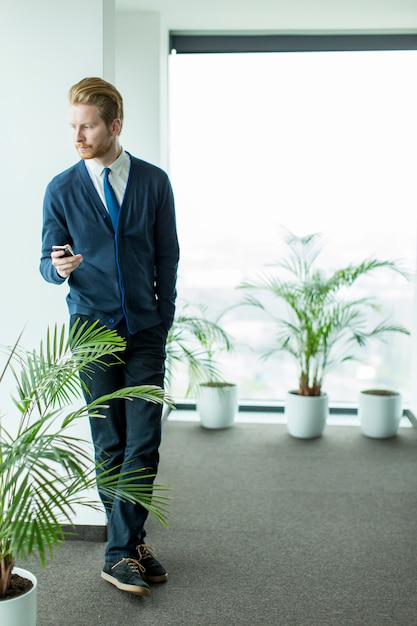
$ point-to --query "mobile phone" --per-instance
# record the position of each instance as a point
(68, 251)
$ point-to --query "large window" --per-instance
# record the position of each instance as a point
(321, 141)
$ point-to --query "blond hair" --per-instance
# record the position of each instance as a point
(100, 93)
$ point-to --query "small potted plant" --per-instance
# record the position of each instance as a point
(380, 412)
(195, 339)
(321, 325)
(45, 470)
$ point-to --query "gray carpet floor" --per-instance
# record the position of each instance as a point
(264, 530)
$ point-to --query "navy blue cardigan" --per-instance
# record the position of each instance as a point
(131, 273)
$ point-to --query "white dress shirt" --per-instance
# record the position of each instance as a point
(118, 176)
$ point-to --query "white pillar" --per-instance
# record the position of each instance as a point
(413, 382)
(139, 77)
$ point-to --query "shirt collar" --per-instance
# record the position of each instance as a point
(116, 167)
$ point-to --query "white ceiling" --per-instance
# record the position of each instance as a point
(281, 15)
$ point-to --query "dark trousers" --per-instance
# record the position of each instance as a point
(129, 436)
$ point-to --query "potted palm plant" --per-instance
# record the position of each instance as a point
(195, 339)
(323, 325)
(44, 469)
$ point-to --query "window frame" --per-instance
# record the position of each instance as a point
(187, 43)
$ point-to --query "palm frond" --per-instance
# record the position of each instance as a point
(45, 472)
(193, 340)
(322, 321)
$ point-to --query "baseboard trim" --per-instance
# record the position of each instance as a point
(85, 533)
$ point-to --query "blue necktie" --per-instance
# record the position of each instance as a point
(111, 200)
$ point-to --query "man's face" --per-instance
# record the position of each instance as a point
(92, 138)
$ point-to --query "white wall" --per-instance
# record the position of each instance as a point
(45, 47)
(280, 15)
(138, 78)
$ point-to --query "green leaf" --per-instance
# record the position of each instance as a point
(45, 472)
(321, 322)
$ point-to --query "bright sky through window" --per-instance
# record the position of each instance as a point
(309, 141)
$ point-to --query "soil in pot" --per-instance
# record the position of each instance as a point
(19, 586)
(19, 607)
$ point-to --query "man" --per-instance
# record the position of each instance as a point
(123, 274)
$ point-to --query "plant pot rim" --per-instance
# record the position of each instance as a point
(380, 392)
(217, 384)
(24, 573)
(295, 392)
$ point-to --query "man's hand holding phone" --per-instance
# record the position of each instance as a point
(64, 260)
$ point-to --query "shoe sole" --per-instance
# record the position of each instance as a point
(156, 579)
(139, 591)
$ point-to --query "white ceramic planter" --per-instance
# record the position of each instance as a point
(20, 611)
(306, 415)
(379, 413)
(217, 405)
